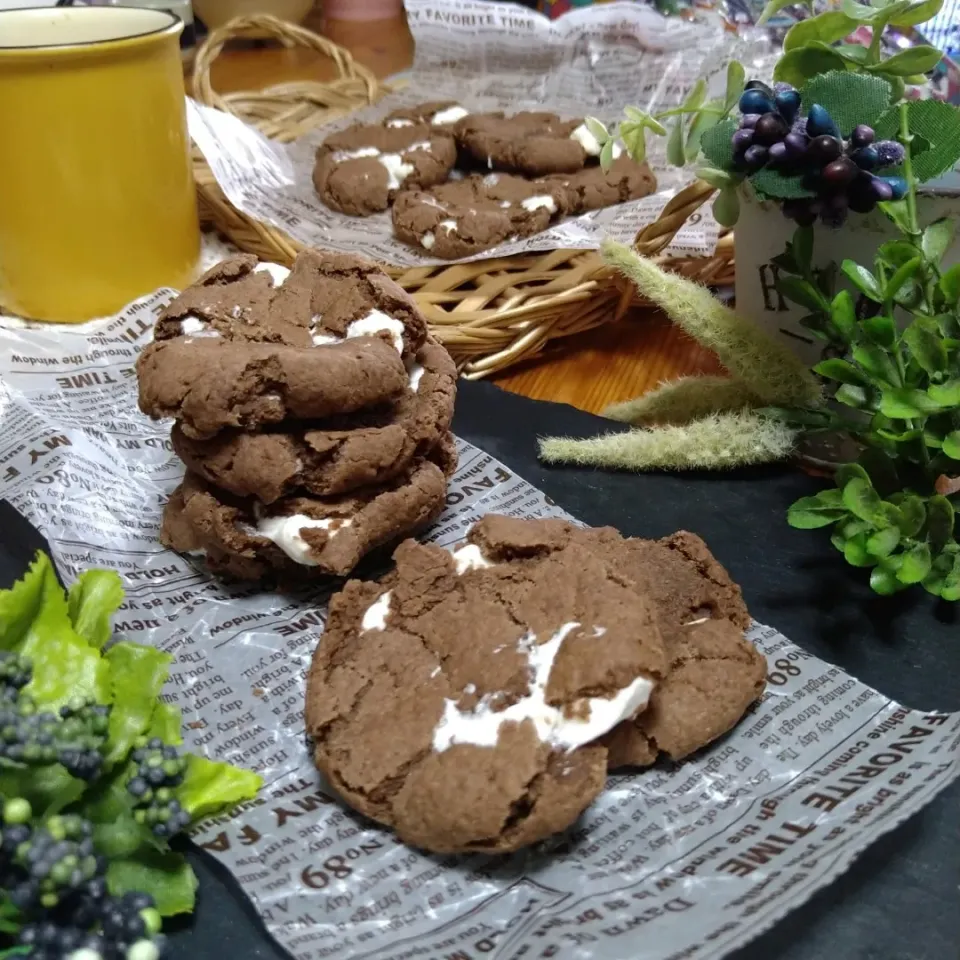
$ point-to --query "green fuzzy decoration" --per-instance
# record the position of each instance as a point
(680, 401)
(767, 367)
(720, 441)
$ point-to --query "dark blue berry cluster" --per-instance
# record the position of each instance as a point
(840, 171)
(57, 882)
(160, 768)
(73, 736)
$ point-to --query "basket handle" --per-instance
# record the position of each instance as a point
(353, 79)
(656, 236)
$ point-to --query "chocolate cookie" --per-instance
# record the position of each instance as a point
(714, 673)
(460, 700)
(594, 188)
(324, 298)
(440, 113)
(212, 384)
(298, 536)
(336, 455)
(359, 170)
(463, 217)
(533, 143)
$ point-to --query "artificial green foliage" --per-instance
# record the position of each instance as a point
(849, 98)
(935, 129)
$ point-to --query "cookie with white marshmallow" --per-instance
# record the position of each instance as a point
(531, 142)
(336, 455)
(358, 171)
(463, 217)
(461, 701)
(304, 537)
(437, 113)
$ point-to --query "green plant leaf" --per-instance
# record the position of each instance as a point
(896, 252)
(851, 395)
(900, 277)
(166, 723)
(849, 98)
(853, 52)
(825, 27)
(772, 8)
(850, 471)
(167, 877)
(716, 144)
(880, 330)
(91, 601)
(842, 371)
(941, 518)
(675, 154)
(209, 787)
(917, 13)
(951, 445)
(876, 361)
(950, 284)
(802, 292)
(938, 124)
(597, 129)
(863, 501)
(950, 589)
(606, 155)
(937, 239)
(810, 513)
(736, 77)
(844, 315)
(915, 565)
(896, 211)
(913, 515)
(862, 279)
(726, 207)
(634, 140)
(919, 59)
(926, 346)
(946, 394)
(883, 542)
(905, 403)
(716, 178)
(137, 676)
(801, 246)
(944, 573)
(883, 578)
(856, 554)
(803, 64)
(702, 122)
(772, 183)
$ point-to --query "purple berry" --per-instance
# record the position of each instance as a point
(866, 158)
(862, 136)
(779, 153)
(755, 157)
(889, 152)
(860, 194)
(841, 172)
(823, 150)
(742, 139)
(882, 191)
(771, 128)
(796, 144)
(749, 120)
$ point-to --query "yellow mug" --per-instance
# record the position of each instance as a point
(97, 202)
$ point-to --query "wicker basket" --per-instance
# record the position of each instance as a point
(490, 314)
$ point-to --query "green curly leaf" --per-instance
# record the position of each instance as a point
(937, 239)
(941, 518)
(883, 579)
(926, 346)
(803, 64)
(863, 501)
(842, 371)
(915, 565)
(919, 59)
(938, 124)
(951, 445)
(810, 513)
(849, 98)
(826, 27)
(862, 279)
(883, 542)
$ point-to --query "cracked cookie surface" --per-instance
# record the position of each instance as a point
(358, 171)
(336, 455)
(303, 536)
(252, 344)
(594, 188)
(531, 142)
(460, 701)
(463, 217)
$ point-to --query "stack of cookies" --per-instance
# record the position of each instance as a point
(461, 182)
(474, 700)
(312, 411)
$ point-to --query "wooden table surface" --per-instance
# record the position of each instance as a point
(591, 370)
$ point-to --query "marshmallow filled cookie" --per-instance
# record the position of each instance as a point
(439, 113)
(533, 143)
(594, 188)
(337, 455)
(254, 344)
(463, 217)
(359, 170)
(714, 674)
(300, 536)
(461, 700)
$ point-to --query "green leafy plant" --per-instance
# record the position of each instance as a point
(93, 779)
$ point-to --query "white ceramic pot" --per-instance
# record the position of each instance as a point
(762, 233)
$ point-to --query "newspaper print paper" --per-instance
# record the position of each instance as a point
(682, 860)
(498, 56)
